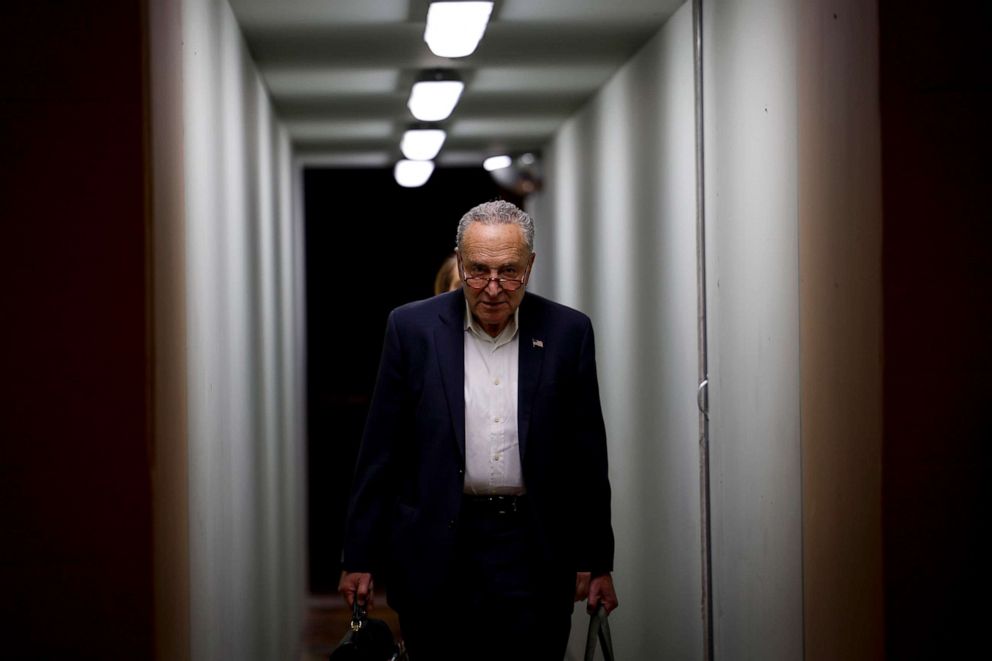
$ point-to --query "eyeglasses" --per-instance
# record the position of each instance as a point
(482, 281)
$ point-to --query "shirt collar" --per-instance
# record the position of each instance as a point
(506, 335)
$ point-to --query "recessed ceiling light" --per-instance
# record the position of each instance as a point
(413, 174)
(496, 163)
(434, 100)
(422, 144)
(454, 29)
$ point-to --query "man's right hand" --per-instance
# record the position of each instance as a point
(357, 584)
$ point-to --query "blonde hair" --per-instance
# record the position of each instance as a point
(447, 276)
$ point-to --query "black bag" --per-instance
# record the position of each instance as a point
(599, 627)
(368, 639)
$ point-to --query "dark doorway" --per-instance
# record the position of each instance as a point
(371, 245)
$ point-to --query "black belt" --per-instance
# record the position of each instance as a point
(493, 505)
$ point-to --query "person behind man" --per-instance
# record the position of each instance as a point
(448, 277)
(481, 496)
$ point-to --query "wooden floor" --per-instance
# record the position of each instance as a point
(328, 618)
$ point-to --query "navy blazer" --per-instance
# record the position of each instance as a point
(404, 510)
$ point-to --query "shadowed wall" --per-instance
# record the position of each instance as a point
(75, 454)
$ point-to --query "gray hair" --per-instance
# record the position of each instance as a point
(497, 212)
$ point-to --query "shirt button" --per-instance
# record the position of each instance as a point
(496, 419)
(496, 381)
(451, 523)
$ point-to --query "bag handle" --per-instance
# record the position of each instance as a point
(359, 615)
(599, 628)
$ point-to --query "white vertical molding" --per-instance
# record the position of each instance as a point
(567, 163)
(170, 476)
(202, 144)
(244, 306)
(270, 579)
(294, 410)
(665, 253)
(239, 473)
(750, 55)
(609, 270)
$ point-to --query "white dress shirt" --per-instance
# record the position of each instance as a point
(492, 450)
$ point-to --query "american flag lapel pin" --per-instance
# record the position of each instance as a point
(538, 343)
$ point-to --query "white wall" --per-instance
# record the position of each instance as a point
(793, 221)
(244, 352)
(793, 213)
(616, 239)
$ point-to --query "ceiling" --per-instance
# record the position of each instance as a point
(340, 71)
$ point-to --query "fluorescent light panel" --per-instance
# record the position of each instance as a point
(496, 163)
(422, 144)
(454, 29)
(434, 100)
(413, 174)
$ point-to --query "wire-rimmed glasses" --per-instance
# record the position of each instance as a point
(482, 281)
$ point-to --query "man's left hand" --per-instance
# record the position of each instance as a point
(601, 592)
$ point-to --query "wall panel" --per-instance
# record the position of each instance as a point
(840, 237)
(753, 310)
(243, 311)
(617, 225)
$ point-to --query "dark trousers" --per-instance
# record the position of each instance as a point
(500, 603)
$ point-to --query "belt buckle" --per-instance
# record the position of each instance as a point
(505, 504)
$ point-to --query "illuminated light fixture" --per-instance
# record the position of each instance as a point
(521, 174)
(496, 163)
(454, 29)
(422, 144)
(434, 100)
(413, 174)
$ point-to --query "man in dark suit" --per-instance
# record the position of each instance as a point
(481, 494)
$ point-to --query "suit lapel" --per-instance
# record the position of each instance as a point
(449, 342)
(530, 359)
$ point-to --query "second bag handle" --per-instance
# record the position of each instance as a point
(599, 629)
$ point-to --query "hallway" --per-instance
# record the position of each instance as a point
(785, 198)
